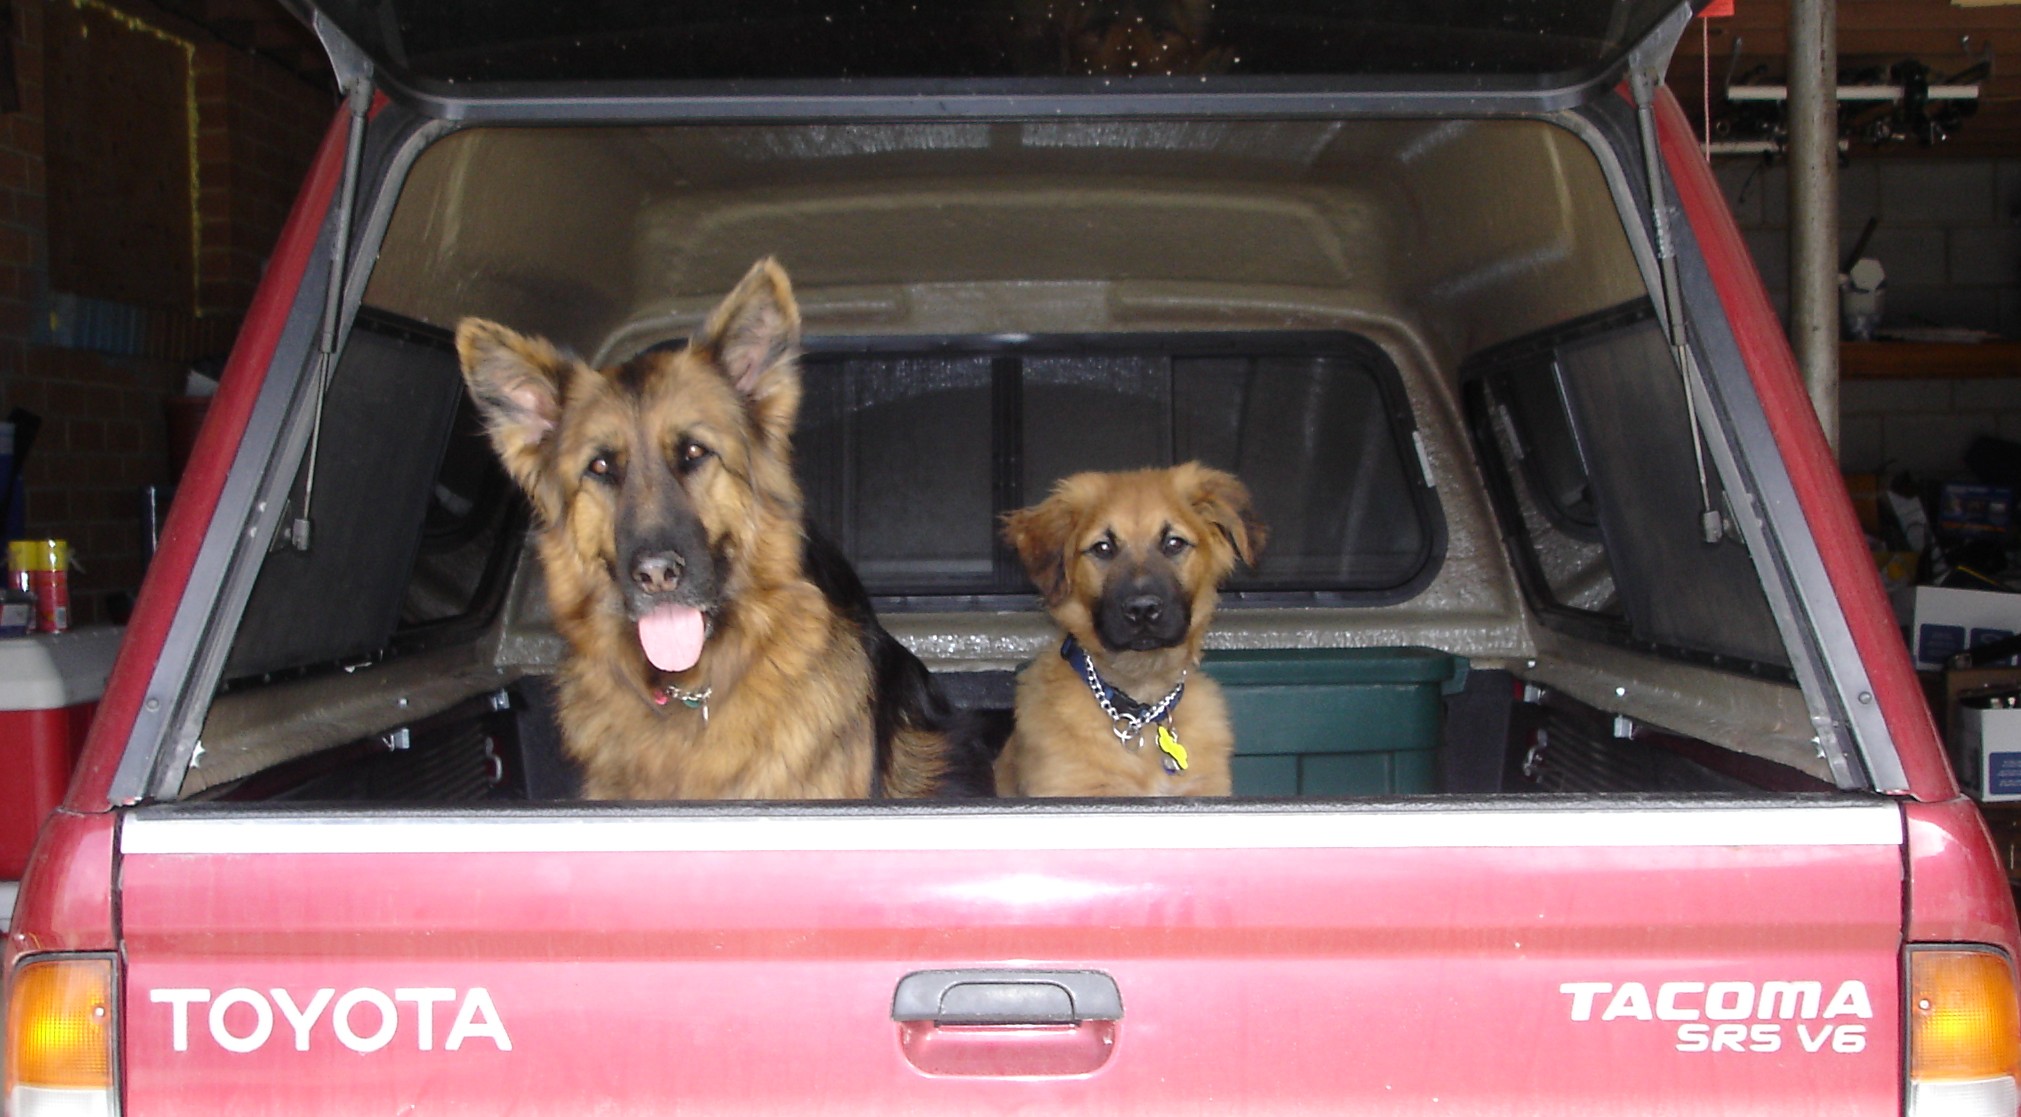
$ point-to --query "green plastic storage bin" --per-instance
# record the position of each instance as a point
(1337, 721)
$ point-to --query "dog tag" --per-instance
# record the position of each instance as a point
(1175, 753)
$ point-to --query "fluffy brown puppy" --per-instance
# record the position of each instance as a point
(716, 650)
(1129, 566)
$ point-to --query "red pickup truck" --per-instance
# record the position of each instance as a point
(1579, 763)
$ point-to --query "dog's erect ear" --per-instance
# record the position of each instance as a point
(1224, 502)
(516, 382)
(1039, 535)
(753, 335)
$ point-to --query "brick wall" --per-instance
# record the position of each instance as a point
(259, 129)
(98, 373)
(102, 439)
(1950, 239)
(23, 246)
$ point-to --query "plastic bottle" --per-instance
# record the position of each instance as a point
(42, 567)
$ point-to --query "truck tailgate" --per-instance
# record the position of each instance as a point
(1549, 956)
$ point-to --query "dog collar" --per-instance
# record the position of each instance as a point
(1128, 718)
(692, 699)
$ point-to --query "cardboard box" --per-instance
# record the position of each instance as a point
(1962, 682)
(1946, 622)
(1969, 511)
(2004, 819)
(1988, 743)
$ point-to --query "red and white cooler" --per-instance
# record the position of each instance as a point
(49, 687)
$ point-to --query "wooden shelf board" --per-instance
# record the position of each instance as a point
(1928, 360)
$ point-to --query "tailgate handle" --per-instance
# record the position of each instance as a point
(1007, 997)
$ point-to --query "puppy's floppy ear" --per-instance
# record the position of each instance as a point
(516, 382)
(753, 335)
(1223, 501)
(1039, 535)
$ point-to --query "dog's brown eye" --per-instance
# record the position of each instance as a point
(1103, 549)
(688, 453)
(600, 467)
(1172, 545)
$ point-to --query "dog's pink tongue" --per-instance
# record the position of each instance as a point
(672, 636)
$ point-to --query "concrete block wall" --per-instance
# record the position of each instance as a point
(1923, 426)
(1950, 239)
(1949, 233)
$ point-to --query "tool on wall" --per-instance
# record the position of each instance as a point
(1906, 101)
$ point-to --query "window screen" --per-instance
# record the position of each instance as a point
(1524, 427)
(1589, 448)
(908, 458)
(412, 517)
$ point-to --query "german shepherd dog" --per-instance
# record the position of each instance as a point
(1129, 565)
(716, 649)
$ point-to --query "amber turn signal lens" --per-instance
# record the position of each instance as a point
(59, 1024)
(1963, 1018)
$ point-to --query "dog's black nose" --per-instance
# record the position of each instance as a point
(1144, 609)
(657, 573)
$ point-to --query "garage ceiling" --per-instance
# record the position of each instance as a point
(1947, 37)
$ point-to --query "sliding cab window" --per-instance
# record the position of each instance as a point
(910, 451)
(1586, 437)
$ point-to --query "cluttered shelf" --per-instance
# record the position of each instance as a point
(1906, 360)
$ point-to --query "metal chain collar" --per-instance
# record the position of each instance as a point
(692, 699)
(1129, 728)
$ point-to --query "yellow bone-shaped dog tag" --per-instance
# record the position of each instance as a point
(1168, 743)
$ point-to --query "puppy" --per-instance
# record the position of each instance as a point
(1129, 565)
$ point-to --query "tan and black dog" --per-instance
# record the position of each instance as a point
(717, 650)
(1129, 565)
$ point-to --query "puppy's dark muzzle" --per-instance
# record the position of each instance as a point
(1141, 618)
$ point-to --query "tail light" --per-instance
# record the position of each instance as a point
(60, 1034)
(1964, 1034)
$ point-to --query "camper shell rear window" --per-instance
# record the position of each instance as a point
(910, 450)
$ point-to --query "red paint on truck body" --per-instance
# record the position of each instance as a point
(1416, 980)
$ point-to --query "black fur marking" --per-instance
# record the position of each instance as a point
(903, 692)
(633, 375)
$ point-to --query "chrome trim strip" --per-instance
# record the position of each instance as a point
(1809, 826)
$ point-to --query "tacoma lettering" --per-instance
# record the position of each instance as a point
(1735, 1001)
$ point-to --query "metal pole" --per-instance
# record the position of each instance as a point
(1814, 204)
